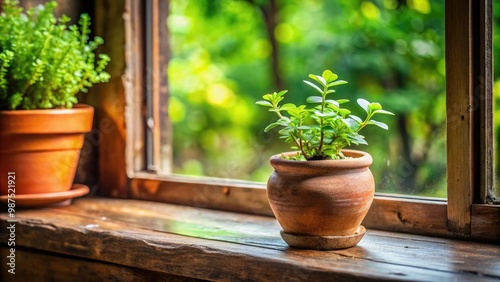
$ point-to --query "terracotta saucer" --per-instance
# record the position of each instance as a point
(48, 199)
(323, 242)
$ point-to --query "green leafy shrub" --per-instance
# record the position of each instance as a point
(321, 132)
(44, 61)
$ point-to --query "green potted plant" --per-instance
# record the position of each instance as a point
(44, 63)
(321, 192)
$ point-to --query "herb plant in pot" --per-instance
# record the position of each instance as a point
(44, 63)
(321, 192)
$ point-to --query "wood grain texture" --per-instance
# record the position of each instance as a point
(485, 223)
(211, 193)
(483, 91)
(134, 77)
(223, 246)
(410, 216)
(153, 78)
(44, 266)
(121, 100)
(157, 43)
(459, 121)
(166, 154)
(110, 22)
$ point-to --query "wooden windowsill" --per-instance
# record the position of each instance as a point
(114, 238)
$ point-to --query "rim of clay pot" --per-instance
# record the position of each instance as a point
(60, 111)
(358, 160)
(76, 119)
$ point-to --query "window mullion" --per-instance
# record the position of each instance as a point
(484, 96)
(158, 51)
(459, 108)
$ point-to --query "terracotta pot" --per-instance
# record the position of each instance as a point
(42, 147)
(321, 198)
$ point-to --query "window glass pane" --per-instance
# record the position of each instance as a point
(226, 54)
(496, 93)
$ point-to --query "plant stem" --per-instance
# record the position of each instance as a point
(322, 137)
(299, 144)
(300, 147)
(365, 122)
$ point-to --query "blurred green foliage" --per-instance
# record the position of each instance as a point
(227, 53)
(496, 91)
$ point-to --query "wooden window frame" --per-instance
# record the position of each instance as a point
(126, 173)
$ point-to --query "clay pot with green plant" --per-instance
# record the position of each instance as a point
(321, 192)
(44, 63)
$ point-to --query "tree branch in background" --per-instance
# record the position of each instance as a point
(269, 10)
(401, 3)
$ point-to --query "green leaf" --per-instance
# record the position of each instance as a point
(342, 101)
(364, 104)
(384, 112)
(303, 127)
(264, 103)
(285, 132)
(332, 102)
(319, 113)
(284, 121)
(282, 92)
(335, 83)
(271, 126)
(288, 106)
(356, 118)
(314, 99)
(334, 107)
(375, 106)
(351, 123)
(329, 76)
(359, 139)
(344, 112)
(313, 86)
(318, 78)
(379, 124)
(268, 97)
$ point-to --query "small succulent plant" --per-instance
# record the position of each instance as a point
(321, 129)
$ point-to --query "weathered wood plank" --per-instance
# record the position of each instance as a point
(263, 232)
(205, 259)
(483, 81)
(417, 216)
(179, 255)
(405, 215)
(37, 266)
(209, 193)
(133, 78)
(239, 247)
(110, 110)
(459, 114)
(166, 154)
(157, 55)
(485, 223)
(195, 222)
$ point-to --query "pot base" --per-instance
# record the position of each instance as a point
(48, 199)
(323, 242)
